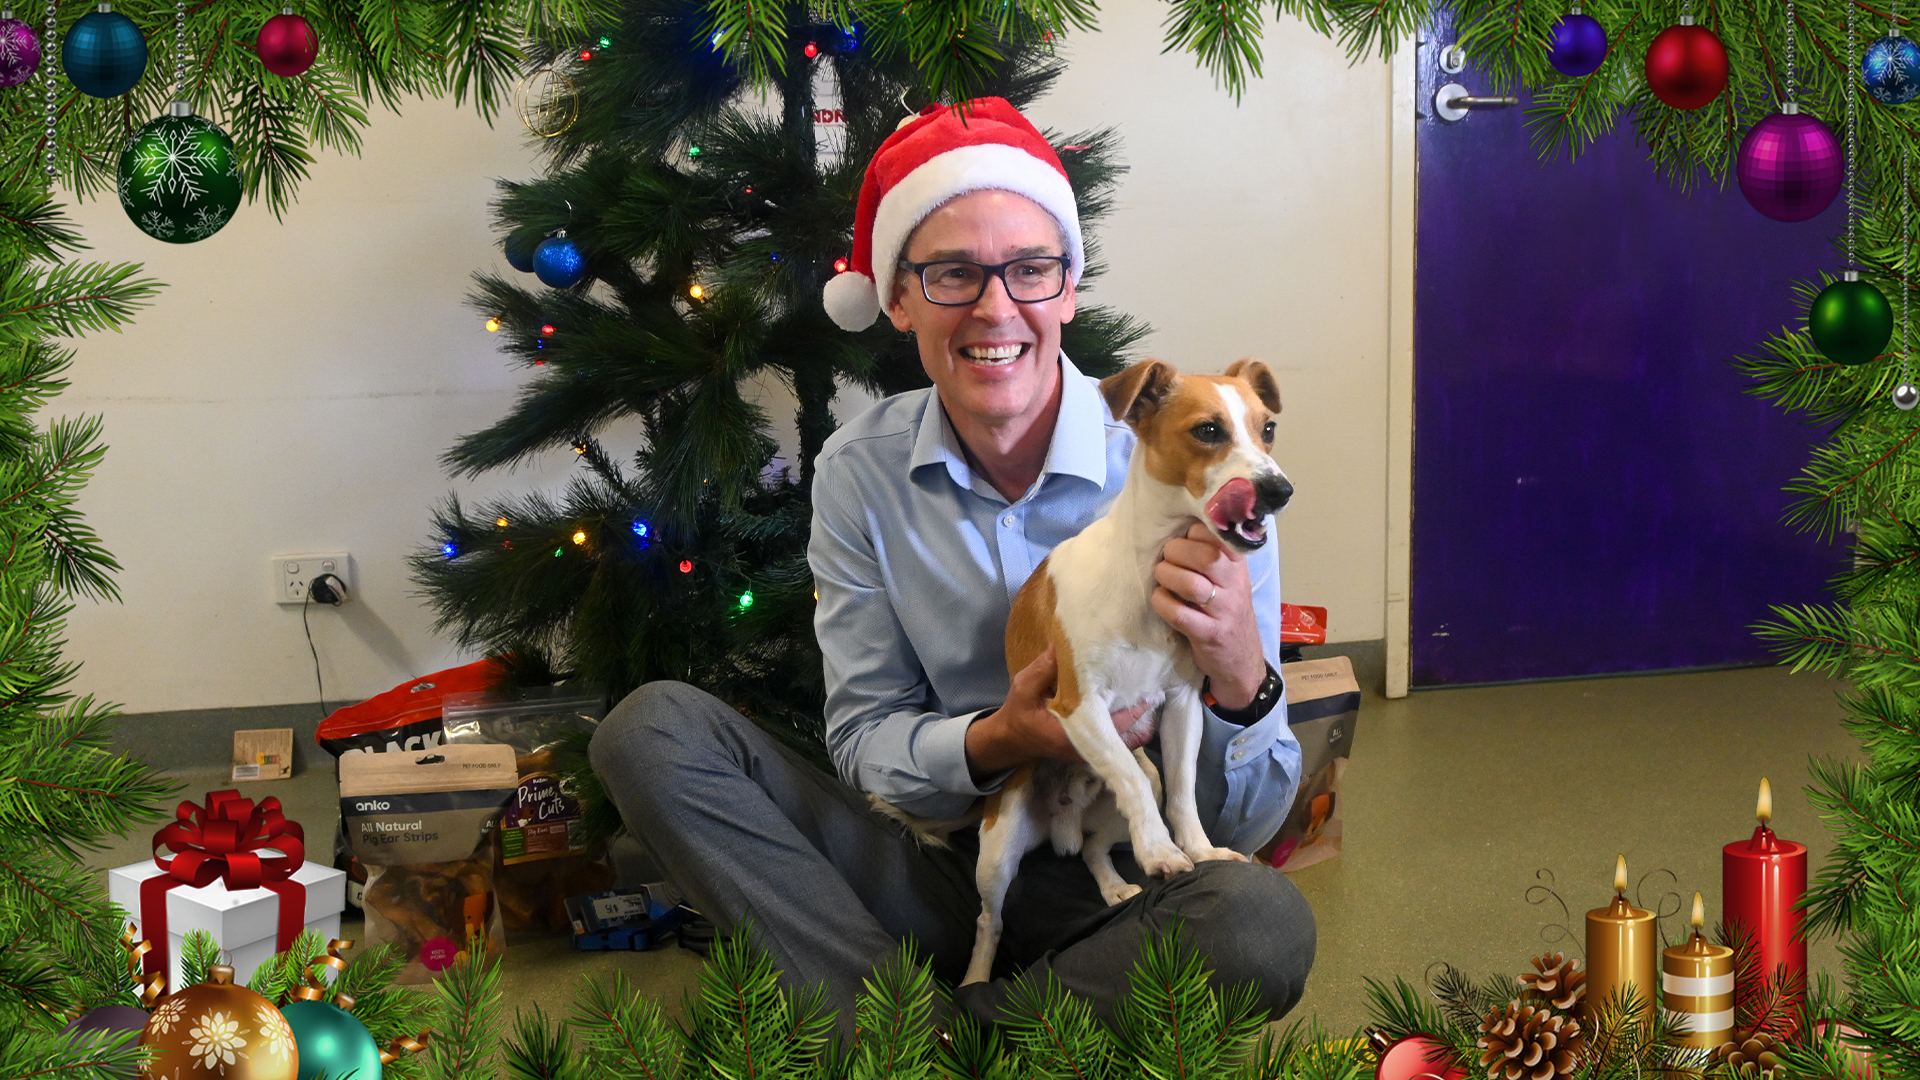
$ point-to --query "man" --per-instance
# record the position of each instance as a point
(930, 511)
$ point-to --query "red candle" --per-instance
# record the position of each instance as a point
(1761, 880)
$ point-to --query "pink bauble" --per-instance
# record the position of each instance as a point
(1790, 166)
(1416, 1057)
(287, 45)
(1850, 1039)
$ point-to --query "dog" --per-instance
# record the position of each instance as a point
(1203, 452)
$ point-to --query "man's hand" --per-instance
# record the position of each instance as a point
(1205, 593)
(1022, 730)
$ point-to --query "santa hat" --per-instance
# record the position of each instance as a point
(941, 153)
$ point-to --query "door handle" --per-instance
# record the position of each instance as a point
(1452, 102)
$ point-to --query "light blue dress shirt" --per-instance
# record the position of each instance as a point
(918, 560)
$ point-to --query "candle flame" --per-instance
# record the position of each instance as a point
(1620, 876)
(1699, 913)
(1764, 811)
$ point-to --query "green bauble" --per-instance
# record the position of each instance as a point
(178, 178)
(332, 1041)
(1850, 322)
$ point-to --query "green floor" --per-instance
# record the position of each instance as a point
(1458, 801)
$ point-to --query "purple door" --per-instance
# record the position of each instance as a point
(1592, 490)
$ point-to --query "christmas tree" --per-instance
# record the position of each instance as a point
(707, 213)
(61, 790)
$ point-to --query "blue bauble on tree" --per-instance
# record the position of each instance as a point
(1891, 69)
(104, 53)
(1579, 45)
(557, 262)
(518, 256)
(332, 1041)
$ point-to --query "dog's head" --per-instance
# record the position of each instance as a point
(1211, 436)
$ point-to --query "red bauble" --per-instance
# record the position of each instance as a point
(1416, 1057)
(287, 44)
(1687, 66)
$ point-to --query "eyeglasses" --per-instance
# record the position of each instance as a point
(951, 283)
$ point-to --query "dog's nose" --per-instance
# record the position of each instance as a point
(1271, 493)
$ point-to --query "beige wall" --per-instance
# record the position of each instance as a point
(294, 385)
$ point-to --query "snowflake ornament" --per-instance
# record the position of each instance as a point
(179, 178)
(1891, 70)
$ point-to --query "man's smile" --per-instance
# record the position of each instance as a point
(994, 355)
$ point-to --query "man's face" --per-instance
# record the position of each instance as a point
(994, 361)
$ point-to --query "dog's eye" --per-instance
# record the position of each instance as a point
(1267, 433)
(1210, 432)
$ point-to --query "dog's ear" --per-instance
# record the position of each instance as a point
(1260, 378)
(1133, 394)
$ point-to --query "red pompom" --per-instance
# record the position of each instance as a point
(287, 45)
(1687, 66)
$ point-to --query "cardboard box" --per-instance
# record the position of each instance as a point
(262, 754)
(244, 921)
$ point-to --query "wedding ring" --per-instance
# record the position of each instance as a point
(1210, 596)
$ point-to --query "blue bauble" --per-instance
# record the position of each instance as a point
(104, 54)
(558, 263)
(1891, 70)
(520, 258)
(1579, 45)
(331, 1040)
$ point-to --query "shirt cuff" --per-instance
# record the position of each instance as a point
(1254, 740)
(942, 745)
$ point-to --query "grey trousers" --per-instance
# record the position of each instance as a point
(748, 830)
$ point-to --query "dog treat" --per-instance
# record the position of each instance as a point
(423, 825)
(543, 858)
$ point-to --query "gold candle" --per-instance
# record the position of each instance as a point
(1621, 951)
(1696, 986)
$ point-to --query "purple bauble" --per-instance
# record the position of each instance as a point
(1790, 166)
(19, 51)
(109, 1020)
(1579, 45)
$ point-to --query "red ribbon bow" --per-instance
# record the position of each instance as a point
(221, 842)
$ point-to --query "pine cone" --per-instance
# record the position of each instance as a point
(1527, 1042)
(1557, 981)
(1753, 1057)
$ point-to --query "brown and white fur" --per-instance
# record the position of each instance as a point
(1197, 435)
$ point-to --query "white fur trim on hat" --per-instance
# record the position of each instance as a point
(981, 167)
(852, 301)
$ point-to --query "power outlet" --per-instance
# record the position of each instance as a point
(292, 574)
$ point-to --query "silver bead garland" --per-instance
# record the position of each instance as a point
(47, 66)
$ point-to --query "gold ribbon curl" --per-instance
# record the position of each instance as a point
(402, 1045)
(315, 989)
(154, 986)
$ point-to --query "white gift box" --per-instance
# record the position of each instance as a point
(245, 922)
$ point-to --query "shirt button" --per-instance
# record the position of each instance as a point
(1241, 741)
(1007, 521)
(1238, 754)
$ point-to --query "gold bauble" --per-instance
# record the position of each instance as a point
(219, 1031)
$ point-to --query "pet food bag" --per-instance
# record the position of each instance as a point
(543, 857)
(423, 825)
(1323, 707)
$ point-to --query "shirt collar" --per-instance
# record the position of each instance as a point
(1078, 447)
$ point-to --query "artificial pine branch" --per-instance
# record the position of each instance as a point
(466, 1031)
(627, 1035)
(1173, 1024)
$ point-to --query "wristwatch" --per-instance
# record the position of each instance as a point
(1264, 699)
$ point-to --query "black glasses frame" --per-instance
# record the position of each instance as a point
(988, 273)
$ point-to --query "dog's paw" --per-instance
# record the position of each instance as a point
(1119, 893)
(1212, 854)
(1163, 860)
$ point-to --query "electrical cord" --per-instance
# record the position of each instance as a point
(319, 591)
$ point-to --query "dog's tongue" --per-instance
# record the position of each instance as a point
(1232, 504)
